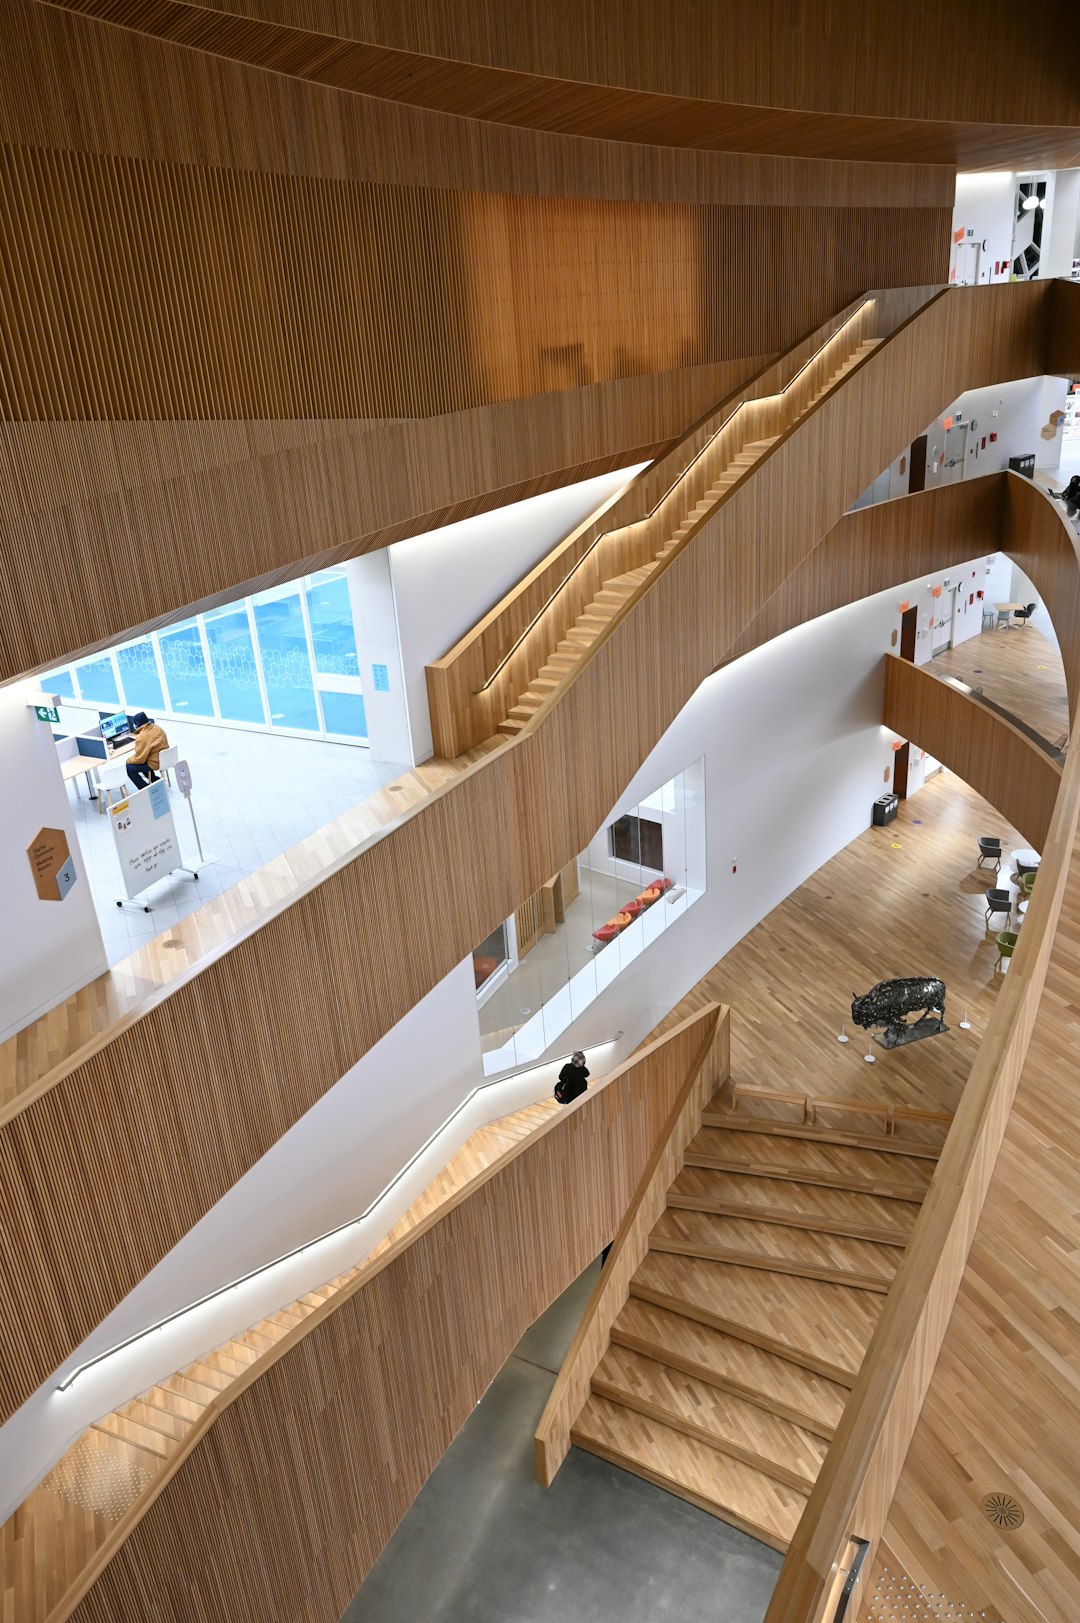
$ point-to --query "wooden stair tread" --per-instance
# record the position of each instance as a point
(887, 1145)
(155, 1419)
(871, 1216)
(824, 1327)
(779, 1245)
(776, 1384)
(146, 1438)
(737, 1493)
(173, 1402)
(770, 1149)
(719, 1418)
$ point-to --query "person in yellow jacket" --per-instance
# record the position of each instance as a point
(145, 758)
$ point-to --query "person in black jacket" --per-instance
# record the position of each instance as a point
(573, 1079)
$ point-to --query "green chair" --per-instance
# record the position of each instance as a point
(1006, 942)
(1026, 884)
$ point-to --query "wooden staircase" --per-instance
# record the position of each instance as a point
(616, 592)
(728, 1367)
(700, 489)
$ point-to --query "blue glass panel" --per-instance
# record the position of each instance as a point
(185, 671)
(332, 633)
(97, 684)
(138, 673)
(344, 714)
(61, 682)
(232, 660)
(286, 667)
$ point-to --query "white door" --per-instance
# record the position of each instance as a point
(955, 449)
(944, 615)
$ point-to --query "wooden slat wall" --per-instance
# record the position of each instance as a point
(84, 492)
(850, 62)
(568, 1395)
(170, 291)
(856, 1486)
(991, 755)
(283, 1506)
(339, 318)
(214, 1074)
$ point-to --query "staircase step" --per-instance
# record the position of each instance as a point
(799, 1205)
(717, 1418)
(174, 1402)
(155, 1419)
(146, 1438)
(725, 1487)
(775, 1384)
(839, 1166)
(823, 1327)
(775, 1248)
(887, 1145)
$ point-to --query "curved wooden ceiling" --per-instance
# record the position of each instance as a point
(542, 101)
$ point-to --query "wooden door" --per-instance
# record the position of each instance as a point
(900, 771)
(907, 631)
(917, 466)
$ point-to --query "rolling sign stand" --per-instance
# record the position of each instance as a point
(183, 783)
(146, 845)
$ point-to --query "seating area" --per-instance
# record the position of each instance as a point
(1016, 881)
(629, 912)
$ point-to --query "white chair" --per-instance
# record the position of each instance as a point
(112, 780)
(168, 758)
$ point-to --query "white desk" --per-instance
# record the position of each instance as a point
(76, 765)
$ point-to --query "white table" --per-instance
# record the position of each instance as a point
(1027, 856)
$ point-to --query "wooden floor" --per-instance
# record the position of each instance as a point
(1019, 670)
(89, 1500)
(40, 1055)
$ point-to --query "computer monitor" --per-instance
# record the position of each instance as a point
(114, 727)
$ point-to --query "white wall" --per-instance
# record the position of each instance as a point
(371, 599)
(447, 579)
(1015, 412)
(1061, 230)
(795, 755)
(984, 212)
(47, 949)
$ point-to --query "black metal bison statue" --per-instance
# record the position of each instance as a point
(888, 1002)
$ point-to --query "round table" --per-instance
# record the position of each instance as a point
(1027, 856)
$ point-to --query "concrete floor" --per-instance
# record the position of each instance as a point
(483, 1543)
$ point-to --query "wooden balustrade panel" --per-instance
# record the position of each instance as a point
(994, 757)
(631, 1242)
(213, 1075)
(855, 1489)
(896, 541)
(282, 1507)
(672, 80)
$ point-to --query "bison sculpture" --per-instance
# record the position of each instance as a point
(887, 1003)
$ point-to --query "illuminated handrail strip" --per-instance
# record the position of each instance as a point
(308, 1245)
(675, 483)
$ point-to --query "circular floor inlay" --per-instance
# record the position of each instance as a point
(1003, 1510)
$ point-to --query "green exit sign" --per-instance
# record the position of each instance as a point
(45, 712)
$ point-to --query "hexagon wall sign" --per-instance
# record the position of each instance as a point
(51, 864)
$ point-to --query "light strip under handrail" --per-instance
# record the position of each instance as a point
(678, 479)
(351, 1222)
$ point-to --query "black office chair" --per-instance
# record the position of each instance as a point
(1071, 493)
(989, 849)
(998, 901)
(1024, 614)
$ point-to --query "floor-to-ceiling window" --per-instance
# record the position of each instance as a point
(284, 660)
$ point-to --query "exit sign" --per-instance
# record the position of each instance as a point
(45, 712)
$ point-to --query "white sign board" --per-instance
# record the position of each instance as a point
(145, 837)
